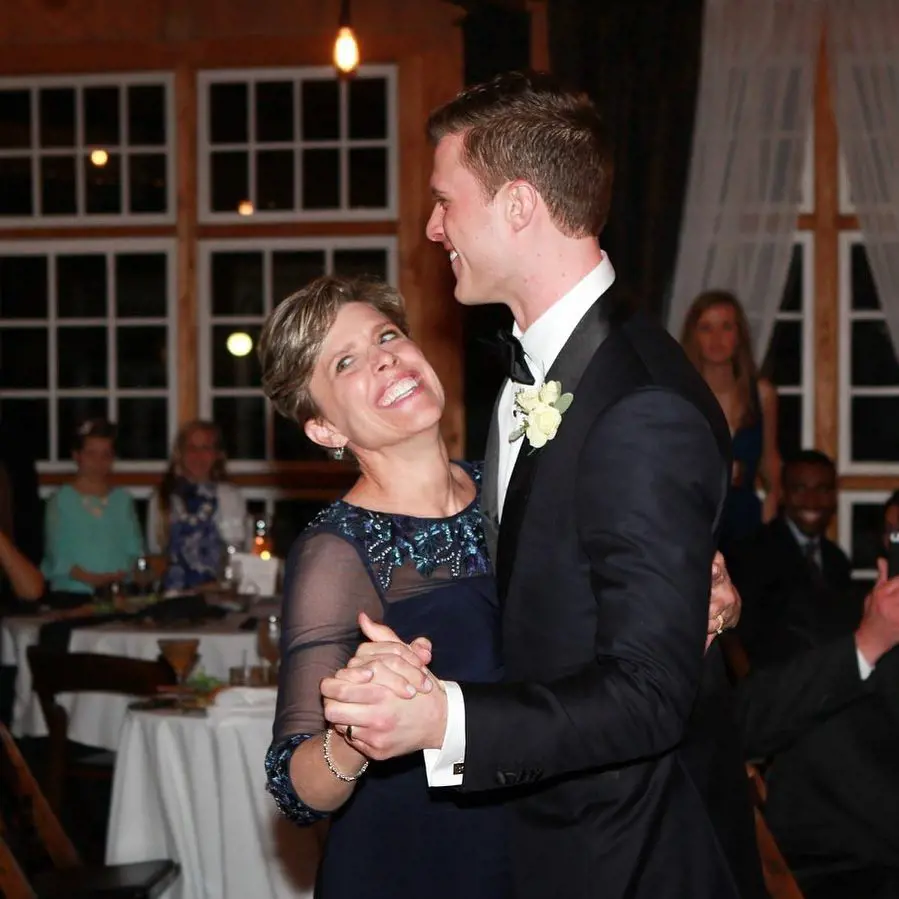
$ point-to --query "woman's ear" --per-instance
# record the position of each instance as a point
(322, 433)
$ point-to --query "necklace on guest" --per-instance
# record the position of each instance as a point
(94, 503)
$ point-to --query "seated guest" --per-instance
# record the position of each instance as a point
(195, 514)
(92, 537)
(19, 578)
(820, 705)
(788, 570)
(24, 579)
(25, 505)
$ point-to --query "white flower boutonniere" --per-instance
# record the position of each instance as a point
(540, 411)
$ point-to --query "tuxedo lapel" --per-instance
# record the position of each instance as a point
(569, 367)
(489, 481)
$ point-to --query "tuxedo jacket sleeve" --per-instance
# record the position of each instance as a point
(778, 703)
(651, 482)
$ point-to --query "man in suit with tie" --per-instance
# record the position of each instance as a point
(604, 513)
(790, 575)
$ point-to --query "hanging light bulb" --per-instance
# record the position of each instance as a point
(346, 47)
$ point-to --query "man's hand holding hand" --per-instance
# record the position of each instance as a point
(387, 695)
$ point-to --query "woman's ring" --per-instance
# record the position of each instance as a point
(720, 619)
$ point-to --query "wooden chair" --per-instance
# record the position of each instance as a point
(54, 672)
(65, 876)
(778, 878)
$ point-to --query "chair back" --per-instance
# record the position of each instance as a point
(779, 878)
(13, 883)
(54, 672)
(27, 815)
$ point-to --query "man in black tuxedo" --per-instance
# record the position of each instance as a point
(820, 706)
(612, 725)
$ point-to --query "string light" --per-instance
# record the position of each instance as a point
(99, 158)
(239, 343)
(346, 47)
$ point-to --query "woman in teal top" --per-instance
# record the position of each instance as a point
(92, 537)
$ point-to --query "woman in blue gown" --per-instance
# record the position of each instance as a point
(716, 338)
(405, 545)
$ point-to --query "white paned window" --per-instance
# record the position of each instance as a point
(297, 144)
(861, 529)
(92, 149)
(87, 330)
(789, 360)
(240, 282)
(869, 370)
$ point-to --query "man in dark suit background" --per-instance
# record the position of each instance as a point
(820, 706)
(790, 575)
(613, 725)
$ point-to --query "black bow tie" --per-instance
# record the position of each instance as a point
(514, 361)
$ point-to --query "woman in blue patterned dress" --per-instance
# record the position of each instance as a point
(195, 513)
(405, 546)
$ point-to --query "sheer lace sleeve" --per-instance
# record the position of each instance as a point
(326, 587)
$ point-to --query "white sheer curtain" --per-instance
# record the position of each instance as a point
(752, 118)
(863, 45)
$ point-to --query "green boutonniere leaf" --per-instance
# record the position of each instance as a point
(563, 402)
(517, 434)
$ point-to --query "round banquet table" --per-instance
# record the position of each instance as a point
(192, 789)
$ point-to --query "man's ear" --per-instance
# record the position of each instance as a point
(521, 203)
(323, 433)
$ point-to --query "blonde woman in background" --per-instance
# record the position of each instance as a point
(195, 513)
(716, 337)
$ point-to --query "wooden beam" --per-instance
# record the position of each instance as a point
(259, 228)
(827, 297)
(186, 179)
(878, 483)
(425, 276)
(540, 61)
(86, 232)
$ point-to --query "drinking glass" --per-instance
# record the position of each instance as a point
(181, 653)
(269, 639)
(143, 576)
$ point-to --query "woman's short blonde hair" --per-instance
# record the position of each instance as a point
(293, 334)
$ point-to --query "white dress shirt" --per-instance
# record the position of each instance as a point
(864, 667)
(542, 343)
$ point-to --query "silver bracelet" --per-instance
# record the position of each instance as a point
(326, 752)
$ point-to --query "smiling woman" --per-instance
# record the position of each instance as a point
(405, 546)
(294, 335)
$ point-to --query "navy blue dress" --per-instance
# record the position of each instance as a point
(394, 837)
(743, 510)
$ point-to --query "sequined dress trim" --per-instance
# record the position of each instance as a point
(388, 542)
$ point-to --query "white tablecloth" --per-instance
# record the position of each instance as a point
(193, 790)
(96, 718)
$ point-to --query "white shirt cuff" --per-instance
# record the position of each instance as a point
(445, 766)
(864, 667)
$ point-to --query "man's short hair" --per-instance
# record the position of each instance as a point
(807, 457)
(526, 126)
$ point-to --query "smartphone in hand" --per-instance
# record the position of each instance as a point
(893, 554)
